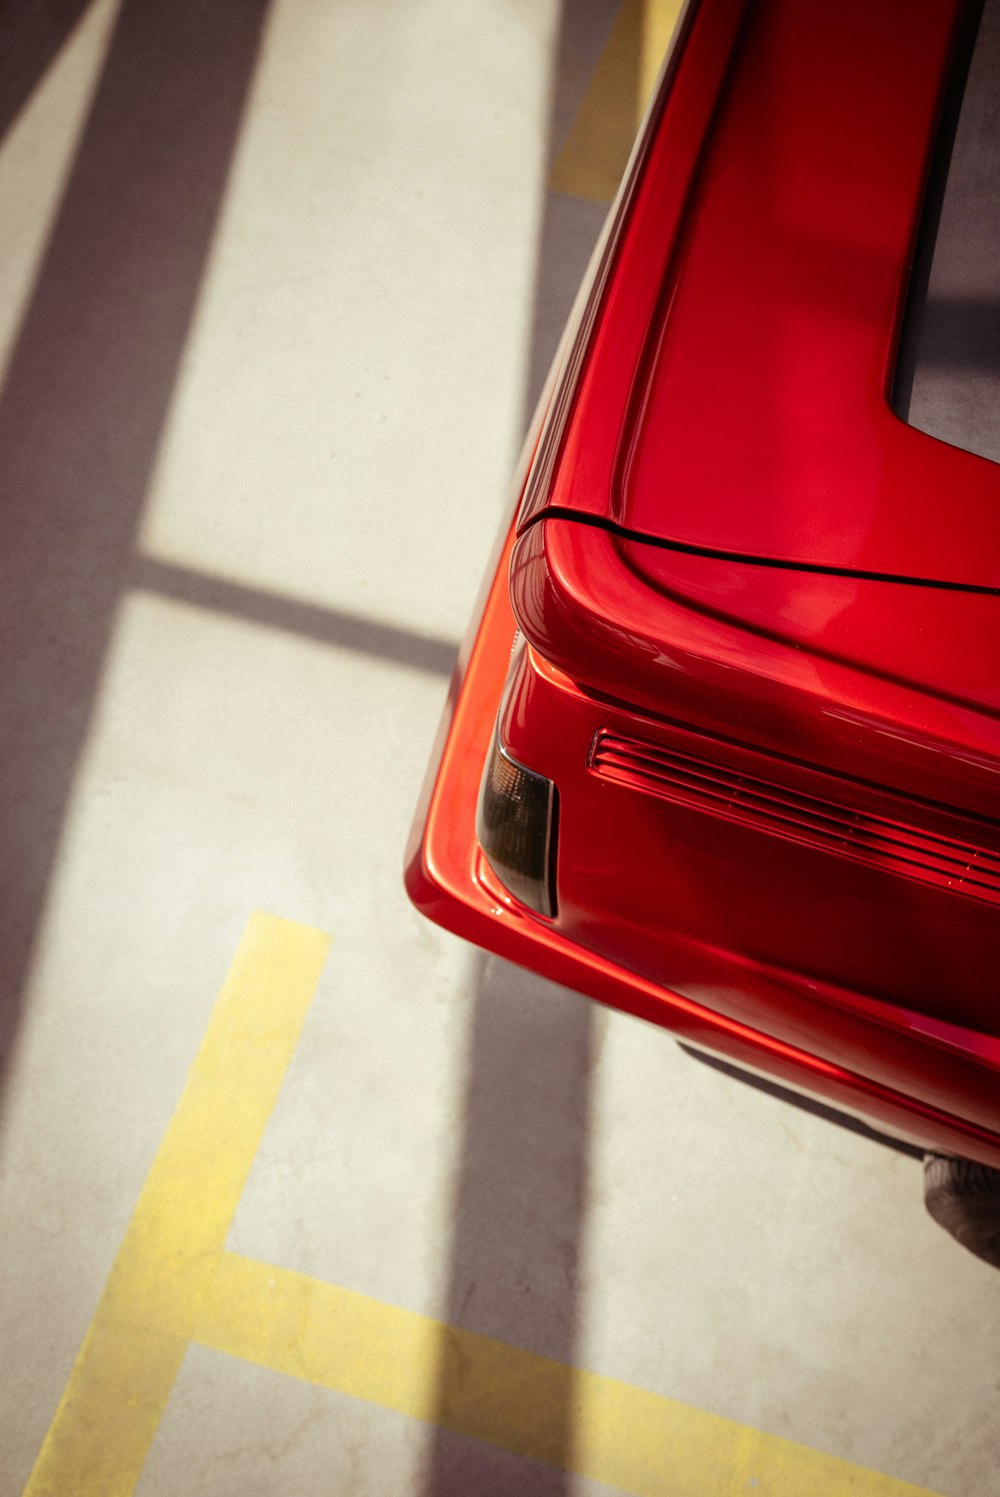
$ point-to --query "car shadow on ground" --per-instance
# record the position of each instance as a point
(514, 1264)
(803, 1103)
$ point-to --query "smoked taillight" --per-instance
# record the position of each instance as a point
(516, 825)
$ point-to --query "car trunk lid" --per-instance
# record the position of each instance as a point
(734, 399)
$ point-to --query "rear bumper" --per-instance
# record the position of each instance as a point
(809, 1036)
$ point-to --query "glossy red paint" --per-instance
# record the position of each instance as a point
(916, 1082)
(779, 785)
(734, 395)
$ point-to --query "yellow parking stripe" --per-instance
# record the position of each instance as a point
(593, 157)
(172, 1283)
(632, 1440)
(130, 1356)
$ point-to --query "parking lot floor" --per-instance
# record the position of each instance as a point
(298, 1193)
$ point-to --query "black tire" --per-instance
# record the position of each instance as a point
(964, 1198)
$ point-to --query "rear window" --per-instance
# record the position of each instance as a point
(948, 370)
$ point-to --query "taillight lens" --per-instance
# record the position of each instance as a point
(516, 825)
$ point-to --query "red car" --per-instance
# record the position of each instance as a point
(724, 748)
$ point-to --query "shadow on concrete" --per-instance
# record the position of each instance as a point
(520, 1200)
(32, 34)
(520, 1203)
(88, 389)
(327, 626)
(803, 1103)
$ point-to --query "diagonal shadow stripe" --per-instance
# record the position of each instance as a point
(88, 386)
(328, 626)
(41, 31)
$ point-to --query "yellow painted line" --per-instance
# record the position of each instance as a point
(153, 1299)
(172, 1283)
(593, 157)
(632, 1440)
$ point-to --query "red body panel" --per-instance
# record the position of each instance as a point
(922, 1079)
(735, 390)
(779, 788)
(587, 604)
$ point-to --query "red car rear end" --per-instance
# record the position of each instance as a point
(742, 770)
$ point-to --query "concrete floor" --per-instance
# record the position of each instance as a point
(280, 281)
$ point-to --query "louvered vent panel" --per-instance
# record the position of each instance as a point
(830, 825)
